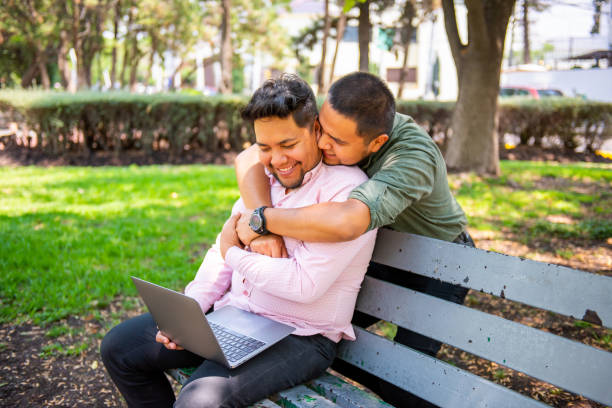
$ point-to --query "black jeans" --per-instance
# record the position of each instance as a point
(136, 363)
(389, 392)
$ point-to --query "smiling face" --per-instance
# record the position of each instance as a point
(340, 141)
(287, 150)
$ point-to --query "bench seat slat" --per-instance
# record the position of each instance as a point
(556, 288)
(303, 397)
(566, 363)
(427, 377)
(266, 403)
(344, 394)
(181, 375)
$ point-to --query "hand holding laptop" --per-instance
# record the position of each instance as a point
(169, 344)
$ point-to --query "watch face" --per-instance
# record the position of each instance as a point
(255, 222)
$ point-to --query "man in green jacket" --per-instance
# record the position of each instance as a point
(407, 191)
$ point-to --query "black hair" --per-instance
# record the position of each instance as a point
(283, 96)
(366, 99)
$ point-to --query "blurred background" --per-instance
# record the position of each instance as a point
(222, 47)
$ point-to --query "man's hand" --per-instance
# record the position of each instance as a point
(169, 344)
(245, 233)
(229, 237)
(271, 245)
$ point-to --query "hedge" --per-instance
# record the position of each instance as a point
(122, 121)
(563, 122)
(178, 122)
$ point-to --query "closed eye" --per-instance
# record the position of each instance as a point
(338, 141)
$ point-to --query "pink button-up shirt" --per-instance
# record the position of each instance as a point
(315, 288)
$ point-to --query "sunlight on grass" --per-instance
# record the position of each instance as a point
(528, 192)
(73, 236)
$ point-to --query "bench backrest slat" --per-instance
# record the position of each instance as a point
(556, 288)
(568, 364)
(427, 377)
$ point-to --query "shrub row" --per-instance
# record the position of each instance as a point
(561, 122)
(122, 121)
(177, 122)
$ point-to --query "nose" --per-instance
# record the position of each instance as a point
(278, 159)
(324, 142)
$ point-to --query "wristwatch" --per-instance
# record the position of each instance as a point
(258, 221)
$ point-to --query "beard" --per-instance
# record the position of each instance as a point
(297, 184)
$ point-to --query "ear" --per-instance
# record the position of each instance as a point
(317, 129)
(378, 142)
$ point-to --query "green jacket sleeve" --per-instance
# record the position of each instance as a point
(403, 178)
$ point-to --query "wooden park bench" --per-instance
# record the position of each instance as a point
(567, 364)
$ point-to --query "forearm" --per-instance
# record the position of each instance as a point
(212, 280)
(253, 183)
(294, 283)
(323, 222)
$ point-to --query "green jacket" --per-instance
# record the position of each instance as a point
(408, 187)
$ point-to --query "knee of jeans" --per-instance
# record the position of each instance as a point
(109, 347)
(206, 392)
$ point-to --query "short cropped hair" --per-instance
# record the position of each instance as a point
(366, 99)
(283, 96)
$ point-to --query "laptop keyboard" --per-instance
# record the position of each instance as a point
(234, 345)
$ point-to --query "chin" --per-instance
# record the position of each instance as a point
(331, 161)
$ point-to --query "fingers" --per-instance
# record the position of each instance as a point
(259, 246)
(276, 251)
(169, 344)
(244, 231)
(284, 253)
(232, 221)
(270, 245)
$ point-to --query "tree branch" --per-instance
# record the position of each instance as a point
(478, 35)
(450, 23)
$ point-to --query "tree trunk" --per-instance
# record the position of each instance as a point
(364, 36)
(321, 76)
(474, 142)
(62, 59)
(41, 61)
(134, 64)
(339, 34)
(126, 48)
(77, 42)
(28, 76)
(151, 60)
(526, 42)
(404, 71)
(226, 49)
(113, 75)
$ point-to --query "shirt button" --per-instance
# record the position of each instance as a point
(245, 293)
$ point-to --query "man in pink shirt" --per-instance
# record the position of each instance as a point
(312, 287)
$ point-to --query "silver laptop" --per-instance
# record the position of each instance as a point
(229, 336)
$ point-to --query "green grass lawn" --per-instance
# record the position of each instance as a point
(540, 201)
(71, 237)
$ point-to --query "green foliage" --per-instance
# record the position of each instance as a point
(178, 121)
(119, 120)
(499, 374)
(562, 120)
